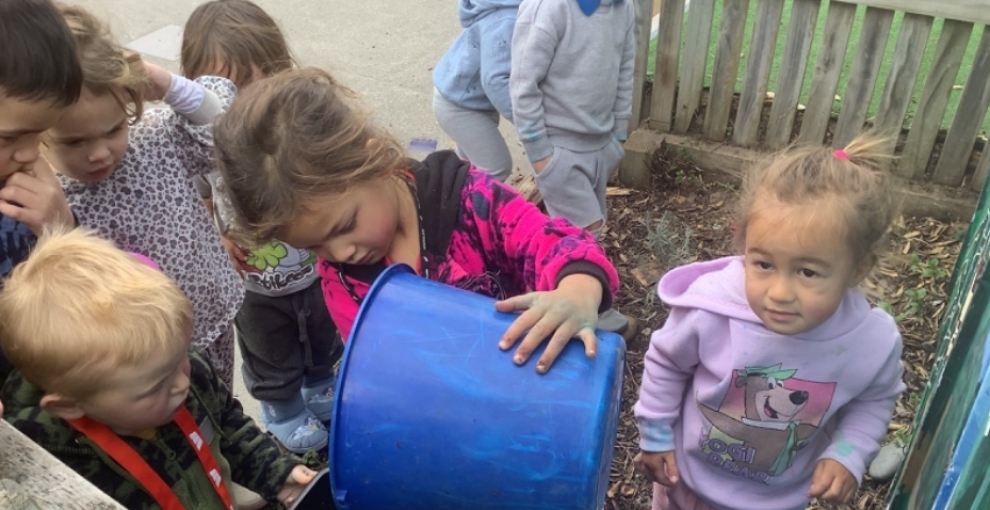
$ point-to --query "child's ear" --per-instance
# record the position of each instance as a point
(62, 406)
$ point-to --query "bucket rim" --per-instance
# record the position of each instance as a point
(376, 287)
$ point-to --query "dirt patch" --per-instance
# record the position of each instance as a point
(686, 218)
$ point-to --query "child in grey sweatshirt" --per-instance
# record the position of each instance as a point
(571, 88)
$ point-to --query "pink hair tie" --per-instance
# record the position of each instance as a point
(841, 154)
(147, 261)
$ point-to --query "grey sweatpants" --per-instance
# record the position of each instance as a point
(573, 184)
(476, 134)
(285, 340)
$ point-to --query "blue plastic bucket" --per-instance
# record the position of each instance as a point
(431, 414)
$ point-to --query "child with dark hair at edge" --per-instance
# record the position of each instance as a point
(773, 380)
(39, 77)
(128, 173)
(106, 381)
(288, 342)
(302, 163)
(571, 88)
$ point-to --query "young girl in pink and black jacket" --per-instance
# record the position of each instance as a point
(303, 164)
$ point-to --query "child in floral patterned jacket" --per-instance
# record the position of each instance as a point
(128, 173)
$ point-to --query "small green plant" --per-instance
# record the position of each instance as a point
(887, 307)
(930, 269)
(916, 303)
(669, 239)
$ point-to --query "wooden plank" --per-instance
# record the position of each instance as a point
(668, 54)
(934, 98)
(727, 56)
(973, 103)
(982, 169)
(43, 478)
(977, 11)
(904, 66)
(696, 43)
(804, 17)
(642, 27)
(634, 171)
(754, 91)
(863, 75)
(828, 68)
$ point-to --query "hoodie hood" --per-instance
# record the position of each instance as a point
(470, 10)
(719, 286)
(716, 286)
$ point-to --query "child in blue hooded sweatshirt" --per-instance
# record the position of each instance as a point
(471, 84)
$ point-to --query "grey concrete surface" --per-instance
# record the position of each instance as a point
(383, 49)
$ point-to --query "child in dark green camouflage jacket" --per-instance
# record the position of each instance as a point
(100, 342)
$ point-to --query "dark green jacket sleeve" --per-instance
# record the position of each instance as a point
(256, 461)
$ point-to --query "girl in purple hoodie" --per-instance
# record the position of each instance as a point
(773, 380)
(301, 163)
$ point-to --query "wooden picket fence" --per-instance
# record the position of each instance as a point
(682, 54)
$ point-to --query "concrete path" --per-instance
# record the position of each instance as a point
(383, 49)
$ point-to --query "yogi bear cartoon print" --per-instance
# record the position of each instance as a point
(764, 419)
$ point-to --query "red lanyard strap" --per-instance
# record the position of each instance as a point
(134, 464)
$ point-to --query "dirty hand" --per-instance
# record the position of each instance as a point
(298, 479)
(832, 481)
(658, 467)
(570, 310)
(157, 83)
(34, 197)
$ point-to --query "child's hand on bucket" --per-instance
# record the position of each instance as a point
(298, 479)
(658, 467)
(570, 310)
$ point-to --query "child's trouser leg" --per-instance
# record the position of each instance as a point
(322, 349)
(678, 497)
(477, 136)
(573, 184)
(273, 341)
(269, 338)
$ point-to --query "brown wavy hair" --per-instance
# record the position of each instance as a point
(107, 67)
(293, 137)
(229, 37)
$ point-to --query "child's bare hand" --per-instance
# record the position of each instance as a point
(34, 197)
(158, 81)
(298, 479)
(832, 481)
(569, 311)
(658, 467)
